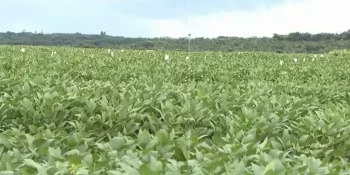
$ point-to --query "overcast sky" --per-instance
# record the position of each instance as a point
(157, 18)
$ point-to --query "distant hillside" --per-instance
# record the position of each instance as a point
(293, 42)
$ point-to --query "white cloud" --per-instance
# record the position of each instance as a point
(313, 16)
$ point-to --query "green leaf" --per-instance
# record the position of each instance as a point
(112, 172)
(26, 87)
(273, 167)
(199, 155)
(39, 142)
(249, 138)
(162, 136)
(172, 135)
(286, 136)
(186, 107)
(5, 142)
(72, 152)
(257, 169)
(55, 152)
(303, 138)
(150, 145)
(340, 151)
(270, 172)
(240, 168)
(263, 144)
(145, 170)
(1, 150)
(314, 166)
(91, 105)
(104, 102)
(143, 137)
(179, 154)
(168, 105)
(123, 112)
(74, 159)
(82, 171)
(155, 165)
(116, 142)
(37, 166)
(7, 173)
(27, 104)
(87, 160)
(239, 135)
(276, 145)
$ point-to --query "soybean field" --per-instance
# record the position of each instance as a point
(75, 111)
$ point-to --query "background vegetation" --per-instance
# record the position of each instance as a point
(291, 43)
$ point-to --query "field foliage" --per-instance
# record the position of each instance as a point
(88, 112)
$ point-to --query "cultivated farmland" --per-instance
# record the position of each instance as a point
(92, 111)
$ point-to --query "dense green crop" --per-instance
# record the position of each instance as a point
(88, 112)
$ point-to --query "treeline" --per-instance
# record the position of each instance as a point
(293, 42)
